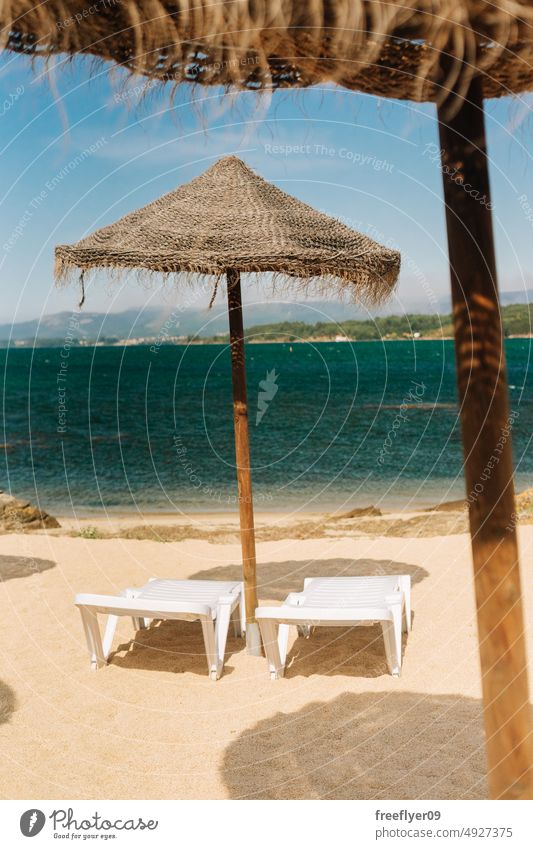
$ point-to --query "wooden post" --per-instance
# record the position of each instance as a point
(242, 457)
(486, 427)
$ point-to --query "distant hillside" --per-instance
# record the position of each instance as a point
(517, 321)
(152, 322)
(284, 321)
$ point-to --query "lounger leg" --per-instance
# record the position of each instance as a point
(304, 631)
(405, 583)
(283, 639)
(388, 628)
(242, 608)
(208, 631)
(397, 634)
(271, 646)
(221, 633)
(392, 637)
(92, 634)
(236, 619)
(109, 633)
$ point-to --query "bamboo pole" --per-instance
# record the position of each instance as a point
(486, 427)
(242, 457)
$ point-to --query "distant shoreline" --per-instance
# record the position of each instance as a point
(27, 345)
(517, 320)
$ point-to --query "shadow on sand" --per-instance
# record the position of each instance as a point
(7, 702)
(170, 646)
(363, 746)
(22, 567)
(359, 652)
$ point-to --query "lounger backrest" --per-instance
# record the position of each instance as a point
(350, 592)
(203, 592)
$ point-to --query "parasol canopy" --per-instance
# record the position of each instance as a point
(408, 49)
(229, 217)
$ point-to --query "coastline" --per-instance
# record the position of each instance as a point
(131, 343)
(441, 520)
(446, 518)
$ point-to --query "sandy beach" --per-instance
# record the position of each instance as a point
(152, 725)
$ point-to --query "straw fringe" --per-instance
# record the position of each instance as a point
(414, 49)
(370, 291)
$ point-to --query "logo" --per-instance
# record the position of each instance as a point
(32, 822)
(269, 388)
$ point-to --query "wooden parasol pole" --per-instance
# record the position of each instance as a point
(486, 427)
(242, 457)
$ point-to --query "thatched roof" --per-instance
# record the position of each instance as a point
(229, 217)
(395, 48)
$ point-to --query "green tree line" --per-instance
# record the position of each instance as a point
(517, 321)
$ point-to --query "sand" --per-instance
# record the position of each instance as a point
(152, 725)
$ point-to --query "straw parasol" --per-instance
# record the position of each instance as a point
(452, 52)
(230, 217)
(393, 49)
(225, 222)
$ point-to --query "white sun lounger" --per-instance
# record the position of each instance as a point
(213, 603)
(339, 602)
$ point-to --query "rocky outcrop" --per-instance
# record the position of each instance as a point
(524, 504)
(361, 511)
(448, 507)
(19, 516)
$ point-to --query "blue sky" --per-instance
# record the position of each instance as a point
(77, 153)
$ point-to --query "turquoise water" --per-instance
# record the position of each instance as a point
(348, 425)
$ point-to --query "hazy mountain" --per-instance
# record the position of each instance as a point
(154, 321)
(522, 296)
(165, 321)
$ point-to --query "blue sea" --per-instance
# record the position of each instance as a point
(332, 426)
